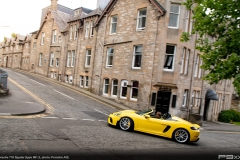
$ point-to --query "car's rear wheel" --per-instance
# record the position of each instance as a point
(126, 123)
(181, 135)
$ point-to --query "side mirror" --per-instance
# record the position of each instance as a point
(147, 116)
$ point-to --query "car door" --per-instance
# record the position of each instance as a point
(151, 125)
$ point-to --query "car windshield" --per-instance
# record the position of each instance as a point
(141, 112)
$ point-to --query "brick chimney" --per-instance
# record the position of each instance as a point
(54, 5)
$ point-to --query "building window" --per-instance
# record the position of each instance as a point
(81, 81)
(59, 39)
(113, 27)
(188, 25)
(123, 92)
(184, 102)
(70, 79)
(114, 88)
(174, 16)
(86, 82)
(105, 86)
(73, 59)
(87, 29)
(71, 32)
(57, 62)
(134, 90)
(59, 77)
(54, 38)
(109, 61)
(196, 98)
(185, 61)
(69, 59)
(92, 29)
(169, 58)
(75, 32)
(51, 75)
(141, 20)
(34, 45)
(40, 59)
(66, 78)
(42, 40)
(198, 64)
(137, 57)
(55, 75)
(88, 58)
(52, 59)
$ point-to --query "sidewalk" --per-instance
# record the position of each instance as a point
(9, 105)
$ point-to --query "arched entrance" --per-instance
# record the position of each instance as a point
(210, 95)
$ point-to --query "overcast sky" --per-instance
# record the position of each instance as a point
(23, 16)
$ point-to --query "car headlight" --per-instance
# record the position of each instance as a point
(194, 128)
(117, 114)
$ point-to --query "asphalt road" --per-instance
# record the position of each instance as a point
(77, 129)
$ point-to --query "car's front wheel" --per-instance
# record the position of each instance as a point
(181, 135)
(126, 123)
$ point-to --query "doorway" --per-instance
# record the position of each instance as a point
(163, 101)
(206, 106)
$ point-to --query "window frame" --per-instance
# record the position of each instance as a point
(52, 59)
(106, 86)
(173, 60)
(112, 23)
(185, 95)
(81, 83)
(57, 62)
(91, 29)
(134, 57)
(131, 92)
(112, 88)
(109, 55)
(121, 90)
(71, 31)
(88, 58)
(40, 59)
(86, 84)
(42, 38)
(69, 59)
(75, 32)
(54, 36)
(140, 17)
(179, 11)
(87, 27)
(73, 58)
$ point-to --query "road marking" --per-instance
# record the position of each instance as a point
(63, 94)
(87, 119)
(51, 117)
(228, 132)
(20, 74)
(102, 120)
(70, 118)
(5, 114)
(101, 112)
(49, 108)
(37, 82)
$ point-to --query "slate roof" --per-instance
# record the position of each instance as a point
(20, 37)
(61, 19)
(86, 10)
(79, 16)
(97, 11)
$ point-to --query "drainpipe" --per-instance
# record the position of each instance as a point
(150, 88)
(191, 80)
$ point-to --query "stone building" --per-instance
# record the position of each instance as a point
(128, 51)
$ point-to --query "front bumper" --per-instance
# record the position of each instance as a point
(113, 119)
(195, 136)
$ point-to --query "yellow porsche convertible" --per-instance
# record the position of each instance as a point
(145, 121)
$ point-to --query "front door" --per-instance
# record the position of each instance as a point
(163, 101)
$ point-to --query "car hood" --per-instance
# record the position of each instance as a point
(184, 121)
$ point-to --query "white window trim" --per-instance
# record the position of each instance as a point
(86, 81)
(183, 60)
(73, 58)
(69, 59)
(42, 39)
(75, 32)
(108, 54)
(40, 59)
(104, 86)
(184, 102)
(54, 38)
(187, 62)
(70, 79)
(122, 82)
(174, 55)
(92, 29)
(88, 56)
(175, 13)
(87, 29)
(81, 84)
(196, 66)
(137, 28)
(112, 25)
(113, 87)
(133, 99)
(57, 62)
(134, 57)
(52, 59)
(71, 31)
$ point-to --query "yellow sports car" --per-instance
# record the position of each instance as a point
(145, 121)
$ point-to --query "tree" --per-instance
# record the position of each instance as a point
(219, 19)
(14, 35)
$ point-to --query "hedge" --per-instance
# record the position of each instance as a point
(228, 116)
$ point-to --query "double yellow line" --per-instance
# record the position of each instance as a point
(49, 108)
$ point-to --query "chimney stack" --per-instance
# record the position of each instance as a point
(54, 5)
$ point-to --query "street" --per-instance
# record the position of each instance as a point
(77, 125)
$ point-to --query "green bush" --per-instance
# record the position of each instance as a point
(228, 116)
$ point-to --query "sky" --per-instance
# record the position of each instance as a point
(23, 16)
